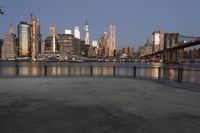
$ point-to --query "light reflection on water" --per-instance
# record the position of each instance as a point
(172, 74)
(9, 71)
(191, 72)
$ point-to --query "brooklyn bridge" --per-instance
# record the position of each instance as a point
(173, 44)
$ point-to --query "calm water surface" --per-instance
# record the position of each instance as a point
(191, 72)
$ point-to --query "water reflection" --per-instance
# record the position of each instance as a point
(154, 72)
(24, 71)
(102, 70)
(8, 71)
(190, 74)
(56, 70)
(172, 74)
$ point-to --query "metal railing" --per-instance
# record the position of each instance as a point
(178, 74)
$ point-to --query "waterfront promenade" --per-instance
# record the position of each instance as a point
(97, 105)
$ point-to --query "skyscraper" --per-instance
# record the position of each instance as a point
(53, 34)
(24, 40)
(112, 40)
(9, 45)
(86, 33)
(35, 37)
(104, 45)
(77, 32)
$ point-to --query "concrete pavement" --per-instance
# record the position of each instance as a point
(97, 105)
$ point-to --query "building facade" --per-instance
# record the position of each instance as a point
(86, 33)
(66, 43)
(24, 40)
(146, 49)
(128, 51)
(104, 45)
(77, 46)
(53, 32)
(112, 40)
(77, 33)
(93, 51)
(8, 49)
(49, 45)
(107, 43)
(35, 38)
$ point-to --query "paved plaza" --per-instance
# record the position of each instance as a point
(97, 105)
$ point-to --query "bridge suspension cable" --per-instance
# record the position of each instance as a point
(188, 37)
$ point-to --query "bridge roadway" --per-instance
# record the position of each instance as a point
(177, 47)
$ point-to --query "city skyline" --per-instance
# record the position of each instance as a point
(135, 20)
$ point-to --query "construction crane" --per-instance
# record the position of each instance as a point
(31, 14)
(1, 12)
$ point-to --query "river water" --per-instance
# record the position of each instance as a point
(191, 72)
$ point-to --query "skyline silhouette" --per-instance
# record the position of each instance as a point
(135, 20)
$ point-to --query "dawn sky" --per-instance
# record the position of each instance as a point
(135, 20)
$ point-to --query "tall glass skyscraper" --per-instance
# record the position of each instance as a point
(112, 46)
(24, 40)
(35, 38)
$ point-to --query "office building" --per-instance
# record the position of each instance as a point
(35, 38)
(107, 42)
(77, 46)
(66, 43)
(48, 45)
(93, 51)
(9, 45)
(24, 40)
(86, 33)
(53, 32)
(69, 45)
(77, 32)
(112, 40)
(128, 51)
(104, 45)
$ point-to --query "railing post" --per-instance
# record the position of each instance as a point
(114, 67)
(91, 70)
(180, 75)
(17, 70)
(134, 71)
(45, 70)
(159, 72)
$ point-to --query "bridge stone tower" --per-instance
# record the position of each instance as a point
(169, 54)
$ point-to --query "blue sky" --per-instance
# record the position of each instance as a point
(135, 20)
